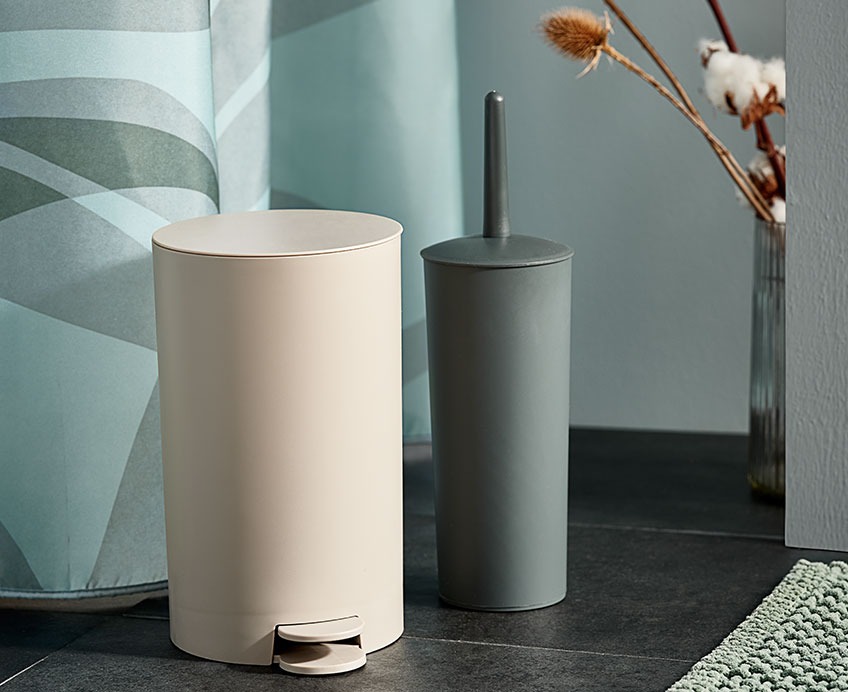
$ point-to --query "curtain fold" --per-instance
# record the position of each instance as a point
(365, 111)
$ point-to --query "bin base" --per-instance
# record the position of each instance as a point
(250, 639)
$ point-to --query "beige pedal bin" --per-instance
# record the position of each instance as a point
(279, 337)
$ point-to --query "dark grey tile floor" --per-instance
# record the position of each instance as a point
(667, 554)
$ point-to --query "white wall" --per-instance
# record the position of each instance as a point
(817, 276)
(662, 271)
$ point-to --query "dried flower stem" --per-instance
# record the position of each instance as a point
(735, 170)
(684, 96)
(643, 41)
(722, 24)
(766, 143)
(581, 35)
(764, 139)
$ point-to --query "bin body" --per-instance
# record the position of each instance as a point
(279, 341)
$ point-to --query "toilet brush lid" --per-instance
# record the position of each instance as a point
(497, 246)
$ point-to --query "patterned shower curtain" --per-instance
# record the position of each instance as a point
(117, 118)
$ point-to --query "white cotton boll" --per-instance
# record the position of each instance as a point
(774, 72)
(778, 210)
(761, 89)
(760, 165)
(708, 46)
(718, 79)
(734, 74)
(745, 80)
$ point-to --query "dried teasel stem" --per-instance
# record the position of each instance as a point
(649, 48)
(740, 177)
(764, 139)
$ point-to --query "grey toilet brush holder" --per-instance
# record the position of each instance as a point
(498, 332)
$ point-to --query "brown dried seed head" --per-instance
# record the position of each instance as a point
(766, 184)
(758, 108)
(577, 33)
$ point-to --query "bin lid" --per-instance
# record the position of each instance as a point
(497, 246)
(277, 233)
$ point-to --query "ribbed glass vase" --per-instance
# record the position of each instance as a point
(767, 438)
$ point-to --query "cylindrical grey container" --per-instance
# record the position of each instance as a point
(498, 331)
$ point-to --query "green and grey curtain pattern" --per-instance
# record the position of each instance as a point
(115, 119)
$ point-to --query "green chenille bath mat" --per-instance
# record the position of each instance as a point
(796, 639)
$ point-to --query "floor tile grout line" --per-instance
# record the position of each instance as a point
(775, 538)
(547, 648)
(61, 648)
(685, 532)
(654, 529)
(21, 672)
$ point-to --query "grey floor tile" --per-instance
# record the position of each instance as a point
(28, 636)
(630, 592)
(132, 654)
(680, 481)
(656, 580)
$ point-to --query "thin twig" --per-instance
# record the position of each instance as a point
(764, 139)
(666, 70)
(775, 159)
(728, 161)
(722, 24)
